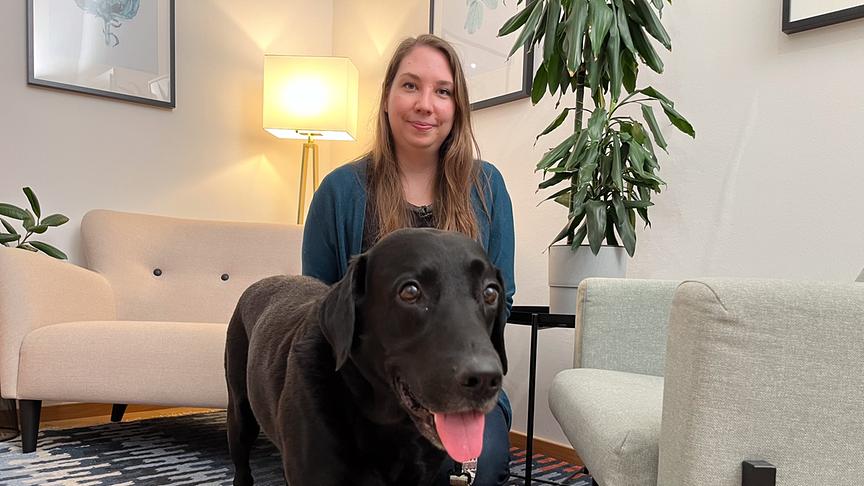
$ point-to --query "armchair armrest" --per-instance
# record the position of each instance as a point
(37, 290)
(764, 369)
(621, 324)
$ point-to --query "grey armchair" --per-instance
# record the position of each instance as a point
(752, 370)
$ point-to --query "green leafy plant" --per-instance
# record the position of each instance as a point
(33, 224)
(609, 167)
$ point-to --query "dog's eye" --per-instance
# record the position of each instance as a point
(490, 295)
(409, 293)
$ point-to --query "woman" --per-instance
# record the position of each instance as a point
(421, 172)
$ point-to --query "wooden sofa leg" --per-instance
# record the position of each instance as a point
(30, 412)
(117, 411)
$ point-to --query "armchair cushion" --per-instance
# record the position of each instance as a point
(169, 363)
(621, 324)
(764, 369)
(612, 418)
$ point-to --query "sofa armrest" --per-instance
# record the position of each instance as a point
(621, 324)
(764, 369)
(37, 290)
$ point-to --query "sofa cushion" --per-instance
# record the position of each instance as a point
(160, 363)
(612, 419)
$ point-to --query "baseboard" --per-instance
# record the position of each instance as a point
(74, 411)
(548, 448)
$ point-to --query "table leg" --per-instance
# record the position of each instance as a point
(529, 439)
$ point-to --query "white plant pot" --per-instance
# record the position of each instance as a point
(567, 268)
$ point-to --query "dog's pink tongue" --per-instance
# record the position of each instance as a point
(461, 434)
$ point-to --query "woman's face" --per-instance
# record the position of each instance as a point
(420, 106)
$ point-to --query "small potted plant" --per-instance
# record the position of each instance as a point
(605, 172)
(33, 223)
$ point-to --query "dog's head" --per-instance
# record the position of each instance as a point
(423, 311)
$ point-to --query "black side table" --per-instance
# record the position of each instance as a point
(538, 317)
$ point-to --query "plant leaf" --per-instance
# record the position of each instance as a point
(653, 93)
(530, 28)
(12, 211)
(622, 223)
(601, 20)
(557, 153)
(575, 34)
(539, 86)
(9, 227)
(34, 201)
(557, 178)
(555, 123)
(4, 238)
(553, 73)
(29, 221)
(616, 162)
(49, 250)
(55, 220)
(516, 21)
(579, 237)
(573, 160)
(550, 44)
(679, 121)
(596, 222)
(39, 228)
(631, 70)
(616, 70)
(653, 24)
(568, 229)
(623, 26)
(637, 204)
(596, 123)
(648, 113)
(645, 49)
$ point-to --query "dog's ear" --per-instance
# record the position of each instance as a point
(498, 327)
(338, 310)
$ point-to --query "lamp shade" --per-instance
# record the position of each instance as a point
(314, 96)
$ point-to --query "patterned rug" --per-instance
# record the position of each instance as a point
(189, 449)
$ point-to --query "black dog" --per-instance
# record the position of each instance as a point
(365, 382)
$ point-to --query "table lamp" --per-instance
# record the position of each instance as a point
(310, 98)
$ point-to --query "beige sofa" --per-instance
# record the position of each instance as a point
(679, 383)
(143, 324)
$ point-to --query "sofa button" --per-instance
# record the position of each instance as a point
(224, 277)
(157, 272)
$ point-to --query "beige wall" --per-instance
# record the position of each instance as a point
(207, 158)
(770, 187)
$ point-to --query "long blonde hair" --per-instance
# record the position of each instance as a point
(457, 172)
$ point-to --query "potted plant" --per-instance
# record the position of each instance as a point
(605, 172)
(33, 223)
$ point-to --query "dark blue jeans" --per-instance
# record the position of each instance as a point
(493, 466)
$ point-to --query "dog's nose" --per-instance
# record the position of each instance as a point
(480, 379)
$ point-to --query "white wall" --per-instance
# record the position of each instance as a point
(207, 158)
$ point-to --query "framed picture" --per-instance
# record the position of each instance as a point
(799, 15)
(472, 28)
(121, 49)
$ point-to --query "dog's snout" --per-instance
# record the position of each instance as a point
(480, 379)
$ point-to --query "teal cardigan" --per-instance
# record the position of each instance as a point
(334, 227)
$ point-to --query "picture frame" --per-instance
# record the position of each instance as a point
(472, 28)
(801, 15)
(120, 49)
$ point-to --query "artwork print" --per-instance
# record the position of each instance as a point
(120, 49)
(471, 26)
